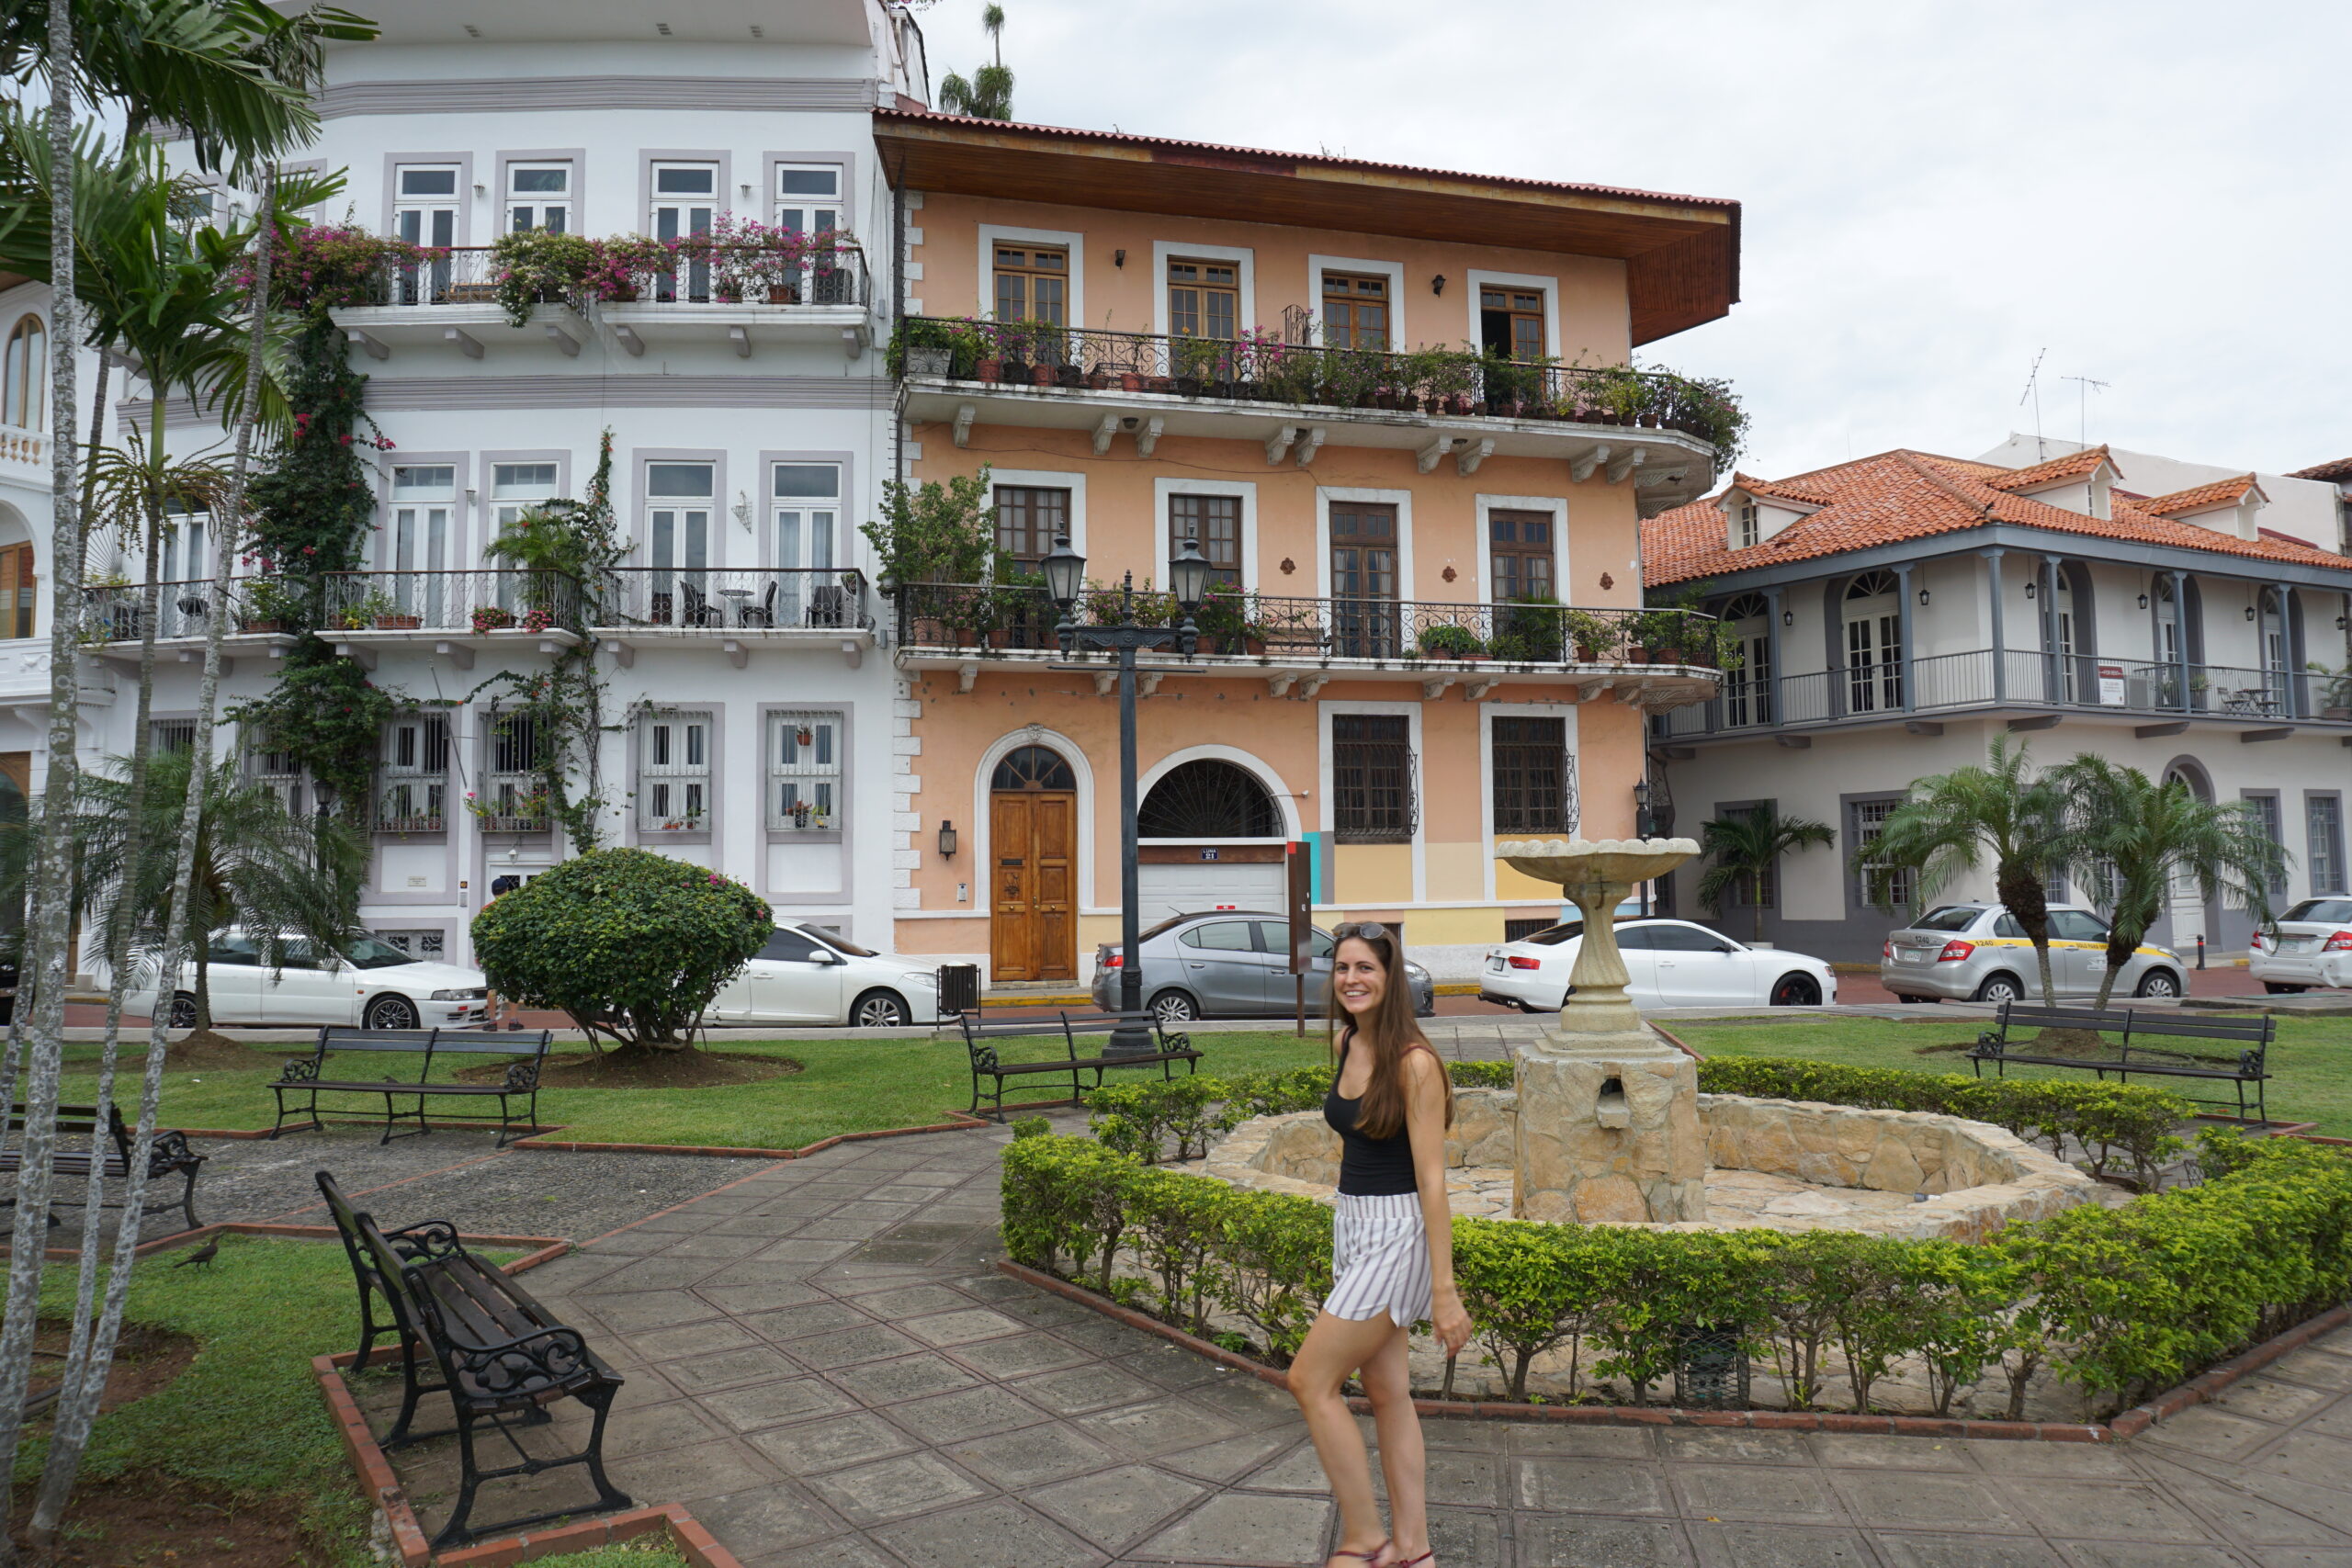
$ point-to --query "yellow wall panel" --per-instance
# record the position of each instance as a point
(1372, 874)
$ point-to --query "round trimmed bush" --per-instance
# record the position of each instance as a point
(632, 944)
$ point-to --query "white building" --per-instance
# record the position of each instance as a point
(1900, 611)
(754, 721)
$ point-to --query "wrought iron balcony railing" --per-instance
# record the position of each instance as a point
(2028, 678)
(468, 275)
(481, 600)
(715, 600)
(1259, 370)
(1239, 625)
(117, 612)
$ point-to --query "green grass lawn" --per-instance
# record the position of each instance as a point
(848, 1086)
(2310, 1062)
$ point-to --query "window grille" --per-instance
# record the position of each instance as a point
(804, 766)
(412, 783)
(1882, 886)
(1531, 794)
(428, 946)
(1372, 779)
(2323, 816)
(673, 772)
(276, 770)
(515, 796)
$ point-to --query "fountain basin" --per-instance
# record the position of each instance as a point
(1774, 1164)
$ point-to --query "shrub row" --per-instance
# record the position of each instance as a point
(2110, 1122)
(2117, 1301)
(1140, 1119)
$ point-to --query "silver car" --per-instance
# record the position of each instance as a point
(1232, 964)
(1979, 953)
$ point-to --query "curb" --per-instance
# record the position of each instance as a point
(2129, 1423)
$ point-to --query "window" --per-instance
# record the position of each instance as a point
(1204, 298)
(1760, 889)
(677, 521)
(2073, 925)
(673, 772)
(1533, 794)
(1873, 643)
(1745, 530)
(1372, 779)
(171, 736)
(416, 546)
(1521, 543)
(24, 385)
(804, 771)
(1747, 686)
(1674, 938)
(425, 946)
(17, 590)
(1355, 309)
(808, 513)
(425, 204)
(514, 795)
(184, 555)
(685, 197)
(538, 196)
(1216, 522)
(785, 945)
(808, 198)
(413, 785)
(1033, 283)
(2324, 820)
(276, 770)
(1879, 886)
(1363, 580)
(1511, 323)
(1520, 931)
(1221, 936)
(1027, 518)
(2265, 807)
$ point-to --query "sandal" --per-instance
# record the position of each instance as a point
(1428, 1556)
(1372, 1556)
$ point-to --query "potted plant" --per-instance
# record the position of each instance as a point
(1532, 631)
(1451, 642)
(488, 618)
(922, 346)
(1592, 634)
(1198, 362)
(2335, 691)
(624, 265)
(1012, 339)
(271, 606)
(536, 267)
(369, 610)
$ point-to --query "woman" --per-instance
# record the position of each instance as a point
(1392, 1251)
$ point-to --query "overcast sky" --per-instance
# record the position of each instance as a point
(1934, 192)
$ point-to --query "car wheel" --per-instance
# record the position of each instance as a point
(879, 1010)
(182, 1010)
(1174, 1007)
(2160, 984)
(2280, 988)
(1999, 988)
(391, 1012)
(1796, 991)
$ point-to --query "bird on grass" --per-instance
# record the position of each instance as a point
(205, 1253)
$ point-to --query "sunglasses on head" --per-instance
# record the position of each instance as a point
(1362, 930)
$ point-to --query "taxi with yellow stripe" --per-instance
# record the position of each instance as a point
(1979, 953)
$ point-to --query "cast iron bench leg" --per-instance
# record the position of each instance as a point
(600, 1399)
(454, 1533)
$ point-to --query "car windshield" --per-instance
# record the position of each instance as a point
(370, 952)
(1950, 918)
(2321, 909)
(842, 944)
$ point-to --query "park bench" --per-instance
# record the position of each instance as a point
(499, 1355)
(2252, 1036)
(987, 1063)
(303, 1078)
(167, 1154)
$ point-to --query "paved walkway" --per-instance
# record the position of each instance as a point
(822, 1364)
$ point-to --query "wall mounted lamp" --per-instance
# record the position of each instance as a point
(2249, 612)
(2029, 590)
(1788, 617)
(2343, 623)
(1118, 258)
(946, 839)
(1437, 284)
(1923, 598)
(2143, 601)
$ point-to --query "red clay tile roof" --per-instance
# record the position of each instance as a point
(1755, 486)
(1901, 495)
(2339, 470)
(2195, 498)
(2072, 465)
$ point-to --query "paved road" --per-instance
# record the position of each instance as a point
(821, 1363)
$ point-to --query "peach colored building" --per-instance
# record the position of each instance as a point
(1219, 345)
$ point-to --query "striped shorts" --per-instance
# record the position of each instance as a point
(1380, 1258)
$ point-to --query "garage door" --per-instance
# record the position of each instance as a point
(1197, 888)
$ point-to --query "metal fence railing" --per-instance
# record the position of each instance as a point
(706, 275)
(733, 599)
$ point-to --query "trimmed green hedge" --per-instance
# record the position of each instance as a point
(2121, 1303)
(1139, 1119)
(2112, 1122)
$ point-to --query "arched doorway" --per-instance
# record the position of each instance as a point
(2185, 905)
(1032, 850)
(1193, 853)
(1873, 614)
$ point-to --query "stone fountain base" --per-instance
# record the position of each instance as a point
(1774, 1164)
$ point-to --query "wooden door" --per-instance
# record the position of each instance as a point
(1032, 842)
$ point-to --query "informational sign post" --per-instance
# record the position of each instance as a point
(1300, 892)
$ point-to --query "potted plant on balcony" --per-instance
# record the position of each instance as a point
(623, 263)
(488, 618)
(1530, 631)
(2334, 691)
(922, 345)
(361, 613)
(1593, 634)
(1198, 362)
(1451, 641)
(271, 606)
(1012, 341)
(1048, 354)
(536, 267)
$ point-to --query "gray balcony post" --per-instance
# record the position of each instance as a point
(2053, 681)
(2290, 677)
(1779, 653)
(2180, 632)
(2000, 655)
(1904, 629)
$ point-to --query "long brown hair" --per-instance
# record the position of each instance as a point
(1387, 1034)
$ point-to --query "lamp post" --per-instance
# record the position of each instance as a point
(1188, 573)
(1644, 827)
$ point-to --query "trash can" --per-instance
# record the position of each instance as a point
(959, 989)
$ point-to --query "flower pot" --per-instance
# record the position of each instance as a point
(1649, 421)
(1188, 385)
(929, 361)
(1637, 656)
(990, 369)
(1044, 374)
(1412, 404)
(1131, 381)
(398, 623)
(1159, 384)
(1016, 372)
(1098, 380)
(803, 737)
(2335, 713)
(1383, 399)
(1588, 654)
(783, 294)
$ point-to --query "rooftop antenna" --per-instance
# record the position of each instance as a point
(2033, 391)
(2084, 386)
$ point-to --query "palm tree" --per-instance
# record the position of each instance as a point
(988, 94)
(1743, 848)
(2141, 834)
(1948, 822)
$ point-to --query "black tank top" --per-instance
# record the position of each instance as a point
(1369, 1167)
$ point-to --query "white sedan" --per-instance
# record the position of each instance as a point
(1668, 963)
(369, 983)
(807, 976)
(2309, 945)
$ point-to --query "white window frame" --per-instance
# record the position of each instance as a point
(410, 742)
(1485, 505)
(675, 752)
(2327, 845)
(1245, 278)
(187, 546)
(539, 202)
(779, 203)
(1316, 265)
(1164, 492)
(1480, 281)
(992, 234)
(273, 770)
(424, 207)
(809, 778)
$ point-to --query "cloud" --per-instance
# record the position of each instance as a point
(2155, 193)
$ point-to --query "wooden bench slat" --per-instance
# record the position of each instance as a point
(2252, 1067)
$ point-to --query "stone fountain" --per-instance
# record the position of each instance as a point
(1608, 1123)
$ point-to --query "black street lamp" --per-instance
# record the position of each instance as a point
(1188, 574)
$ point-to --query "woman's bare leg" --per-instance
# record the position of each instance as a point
(1335, 1348)
(1387, 1380)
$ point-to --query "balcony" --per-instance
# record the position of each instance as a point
(1655, 660)
(2263, 702)
(1663, 434)
(23, 456)
(448, 299)
(114, 619)
(734, 610)
(454, 614)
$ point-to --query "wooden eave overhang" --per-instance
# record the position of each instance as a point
(1681, 252)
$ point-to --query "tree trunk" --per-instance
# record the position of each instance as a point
(2020, 884)
(65, 1459)
(46, 930)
